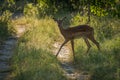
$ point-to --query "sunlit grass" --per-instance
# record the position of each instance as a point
(33, 59)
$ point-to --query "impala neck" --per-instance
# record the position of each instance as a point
(61, 29)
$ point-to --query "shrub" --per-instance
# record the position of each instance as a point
(6, 28)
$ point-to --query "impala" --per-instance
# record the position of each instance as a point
(71, 33)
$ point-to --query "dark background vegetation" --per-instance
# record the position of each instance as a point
(41, 8)
(97, 7)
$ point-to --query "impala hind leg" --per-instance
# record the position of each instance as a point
(61, 47)
(88, 44)
(95, 42)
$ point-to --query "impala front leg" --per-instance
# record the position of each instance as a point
(61, 47)
(72, 44)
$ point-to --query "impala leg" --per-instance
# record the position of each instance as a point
(88, 44)
(72, 44)
(95, 42)
(61, 47)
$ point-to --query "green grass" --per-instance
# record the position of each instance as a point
(35, 64)
(33, 59)
(102, 65)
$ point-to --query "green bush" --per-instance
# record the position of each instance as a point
(6, 28)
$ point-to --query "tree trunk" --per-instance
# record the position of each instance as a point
(88, 11)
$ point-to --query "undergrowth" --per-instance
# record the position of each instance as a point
(33, 59)
(6, 26)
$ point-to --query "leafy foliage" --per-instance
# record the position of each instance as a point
(98, 8)
(6, 29)
(30, 10)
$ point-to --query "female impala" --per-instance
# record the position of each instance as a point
(69, 34)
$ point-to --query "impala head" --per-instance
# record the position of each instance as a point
(59, 21)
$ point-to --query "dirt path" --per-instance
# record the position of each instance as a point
(6, 53)
(66, 63)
